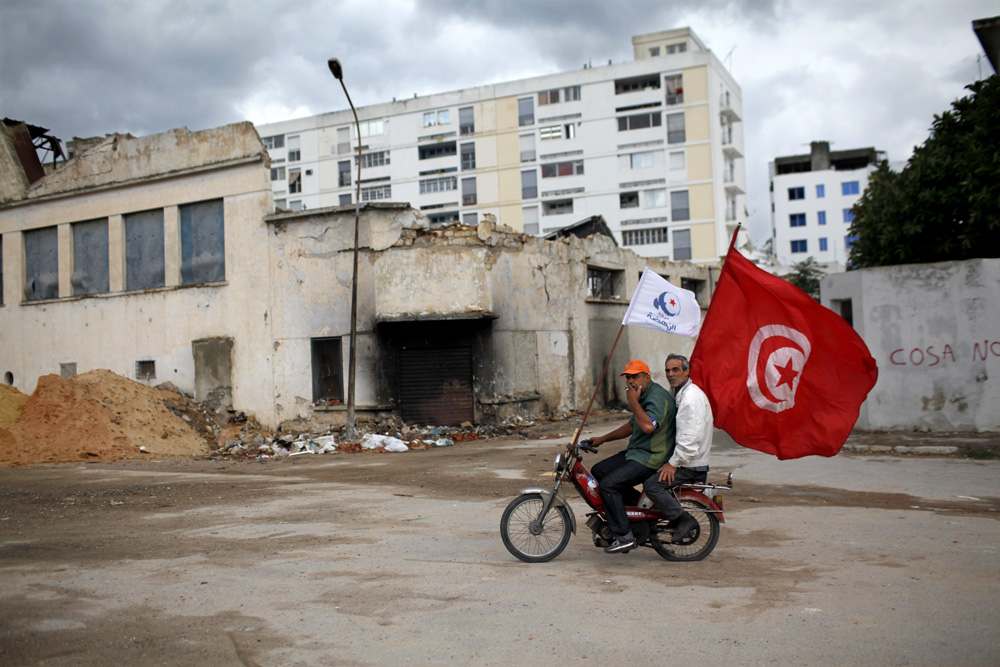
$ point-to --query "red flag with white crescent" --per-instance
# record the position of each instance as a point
(784, 374)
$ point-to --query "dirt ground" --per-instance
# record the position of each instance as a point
(379, 558)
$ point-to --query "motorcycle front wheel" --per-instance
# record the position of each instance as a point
(540, 543)
(699, 542)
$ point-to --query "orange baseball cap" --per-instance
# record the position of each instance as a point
(636, 366)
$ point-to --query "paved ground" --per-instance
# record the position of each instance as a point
(386, 559)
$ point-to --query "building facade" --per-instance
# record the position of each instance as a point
(654, 146)
(811, 200)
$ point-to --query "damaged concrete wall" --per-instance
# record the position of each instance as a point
(539, 339)
(934, 330)
(120, 327)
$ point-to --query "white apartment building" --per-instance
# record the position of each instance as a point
(811, 200)
(654, 145)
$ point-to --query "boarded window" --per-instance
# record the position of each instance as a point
(41, 264)
(90, 257)
(144, 259)
(203, 246)
(327, 371)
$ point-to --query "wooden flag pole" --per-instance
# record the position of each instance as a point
(576, 436)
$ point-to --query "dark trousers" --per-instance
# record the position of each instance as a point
(659, 492)
(617, 478)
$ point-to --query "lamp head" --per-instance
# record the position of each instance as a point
(335, 68)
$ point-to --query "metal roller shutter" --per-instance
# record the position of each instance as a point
(435, 385)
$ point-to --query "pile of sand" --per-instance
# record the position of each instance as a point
(96, 415)
(11, 402)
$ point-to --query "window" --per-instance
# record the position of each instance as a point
(376, 193)
(549, 132)
(203, 246)
(641, 160)
(677, 161)
(848, 215)
(526, 142)
(571, 94)
(343, 140)
(675, 92)
(655, 198)
(144, 258)
(295, 180)
(296, 205)
(682, 244)
(327, 371)
(280, 203)
(800, 246)
(548, 97)
(443, 218)
(822, 244)
(561, 207)
(569, 130)
(525, 111)
(556, 169)
(277, 173)
(529, 217)
(850, 240)
(849, 188)
(679, 206)
(345, 199)
(529, 184)
(797, 220)
(466, 121)
(468, 156)
(677, 48)
(145, 370)
(432, 151)
(553, 96)
(640, 121)
(442, 184)
(645, 236)
(432, 118)
(654, 51)
(372, 128)
(90, 257)
(675, 128)
(820, 191)
(821, 218)
(294, 153)
(469, 191)
(603, 283)
(470, 219)
(796, 193)
(637, 83)
(628, 200)
(369, 160)
(276, 141)
(343, 173)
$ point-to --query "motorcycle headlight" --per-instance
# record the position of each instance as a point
(559, 462)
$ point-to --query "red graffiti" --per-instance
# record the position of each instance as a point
(988, 348)
(922, 356)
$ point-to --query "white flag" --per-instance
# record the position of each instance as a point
(659, 305)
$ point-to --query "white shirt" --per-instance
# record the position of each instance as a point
(694, 427)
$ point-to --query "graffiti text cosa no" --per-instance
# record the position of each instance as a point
(928, 356)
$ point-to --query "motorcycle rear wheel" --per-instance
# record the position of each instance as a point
(546, 543)
(699, 543)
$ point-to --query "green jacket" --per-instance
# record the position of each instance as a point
(654, 449)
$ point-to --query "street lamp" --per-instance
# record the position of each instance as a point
(338, 73)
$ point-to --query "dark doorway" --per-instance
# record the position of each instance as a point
(435, 385)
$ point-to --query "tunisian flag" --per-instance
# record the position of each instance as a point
(785, 375)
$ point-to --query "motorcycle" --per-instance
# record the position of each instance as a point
(537, 525)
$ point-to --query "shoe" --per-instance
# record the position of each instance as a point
(685, 524)
(620, 546)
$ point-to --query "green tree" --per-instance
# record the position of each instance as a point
(806, 276)
(945, 204)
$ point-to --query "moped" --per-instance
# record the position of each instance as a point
(536, 526)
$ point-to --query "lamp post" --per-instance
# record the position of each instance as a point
(338, 73)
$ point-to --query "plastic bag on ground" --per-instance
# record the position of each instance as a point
(386, 442)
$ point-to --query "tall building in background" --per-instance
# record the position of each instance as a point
(655, 146)
(811, 200)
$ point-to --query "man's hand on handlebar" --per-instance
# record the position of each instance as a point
(587, 445)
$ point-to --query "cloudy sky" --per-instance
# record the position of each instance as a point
(856, 73)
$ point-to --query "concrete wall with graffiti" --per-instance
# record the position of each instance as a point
(935, 331)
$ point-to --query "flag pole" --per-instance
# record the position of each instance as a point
(732, 242)
(586, 413)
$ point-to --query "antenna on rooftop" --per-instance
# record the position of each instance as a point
(729, 57)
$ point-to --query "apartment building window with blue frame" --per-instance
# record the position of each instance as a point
(850, 188)
(801, 245)
(848, 215)
(797, 220)
(821, 217)
(820, 191)
(796, 193)
(849, 240)
(822, 244)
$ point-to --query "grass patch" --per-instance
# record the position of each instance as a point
(983, 453)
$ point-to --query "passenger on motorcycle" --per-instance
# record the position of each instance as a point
(689, 460)
(650, 431)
